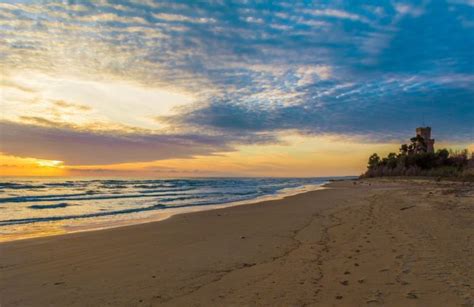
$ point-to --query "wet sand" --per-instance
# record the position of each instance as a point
(380, 242)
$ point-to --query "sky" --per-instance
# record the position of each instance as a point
(229, 88)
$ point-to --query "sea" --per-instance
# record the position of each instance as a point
(37, 207)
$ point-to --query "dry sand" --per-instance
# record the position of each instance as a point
(380, 242)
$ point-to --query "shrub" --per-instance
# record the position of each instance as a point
(413, 160)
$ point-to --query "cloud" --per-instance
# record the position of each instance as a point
(76, 147)
(182, 18)
(352, 109)
(254, 70)
(95, 171)
(86, 147)
(462, 2)
(407, 9)
(69, 105)
(41, 121)
(14, 85)
(309, 75)
(338, 14)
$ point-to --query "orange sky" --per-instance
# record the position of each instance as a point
(305, 157)
(157, 89)
(69, 113)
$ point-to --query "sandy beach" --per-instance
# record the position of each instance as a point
(382, 242)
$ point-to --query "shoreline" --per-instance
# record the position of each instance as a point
(161, 215)
(383, 242)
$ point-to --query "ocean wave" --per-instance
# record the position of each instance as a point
(166, 190)
(61, 184)
(115, 212)
(53, 206)
(77, 197)
(28, 201)
(21, 186)
(87, 196)
(78, 216)
(100, 214)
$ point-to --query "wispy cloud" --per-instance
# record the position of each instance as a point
(335, 13)
(72, 106)
(252, 69)
(407, 9)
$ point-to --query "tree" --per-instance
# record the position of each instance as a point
(374, 161)
(418, 145)
(414, 160)
(392, 160)
(404, 149)
(442, 154)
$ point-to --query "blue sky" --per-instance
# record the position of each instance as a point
(370, 70)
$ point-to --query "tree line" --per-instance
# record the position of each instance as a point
(414, 160)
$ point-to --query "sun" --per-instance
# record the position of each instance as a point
(50, 163)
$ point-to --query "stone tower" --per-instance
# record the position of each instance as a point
(425, 133)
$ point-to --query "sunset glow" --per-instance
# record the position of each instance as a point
(169, 89)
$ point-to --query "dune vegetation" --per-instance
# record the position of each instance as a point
(414, 160)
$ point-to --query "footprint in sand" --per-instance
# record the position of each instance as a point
(412, 295)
